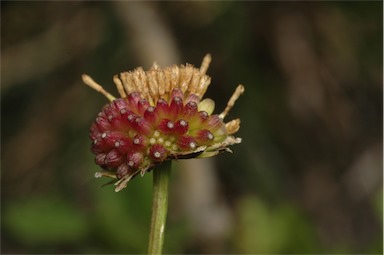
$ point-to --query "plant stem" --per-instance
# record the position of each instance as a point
(161, 176)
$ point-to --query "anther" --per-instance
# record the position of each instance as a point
(131, 117)
(142, 126)
(139, 140)
(150, 115)
(192, 104)
(158, 153)
(183, 123)
(186, 143)
(176, 107)
(181, 127)
(170, 125)
(166, 126)
(177, 99)
(204, 137)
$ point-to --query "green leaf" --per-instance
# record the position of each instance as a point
(44, 220)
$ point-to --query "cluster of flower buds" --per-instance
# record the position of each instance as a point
(160, 116)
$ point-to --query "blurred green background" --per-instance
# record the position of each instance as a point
(306, 179)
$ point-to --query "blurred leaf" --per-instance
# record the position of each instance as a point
(123, 218)
(44, 220)
(265, 230)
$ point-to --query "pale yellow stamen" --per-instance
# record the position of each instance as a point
(91, 83)
(119, 86)
(233, 126)
(205, 63)
(159, 83)
(239, 90)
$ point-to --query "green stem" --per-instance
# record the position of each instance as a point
(161, 176)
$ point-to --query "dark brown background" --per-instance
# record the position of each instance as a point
(306, 179)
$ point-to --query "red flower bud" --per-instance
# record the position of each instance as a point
(100, 159)
(204, 137)
(114, 159)
(162, 108)
(150, 115)
(187, 143)
(142, 126)
(161, 115)
(193, 98)
(198, 119)
(158, 153)
(139, 141)
(190, 110)
(102, 122)
(166, 126)
(122, 170)
(175, 108)
(123, 144)
(214, 122)
(133, 99)
(142, 106)
(134, 159)
(120, 103)
(181, 127)
(177, 92)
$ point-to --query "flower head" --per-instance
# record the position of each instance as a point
(160, 115)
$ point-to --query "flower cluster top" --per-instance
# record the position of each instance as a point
(160, 115)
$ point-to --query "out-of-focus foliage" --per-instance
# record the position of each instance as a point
(272, 230)
(306, 179)
(62, 223)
